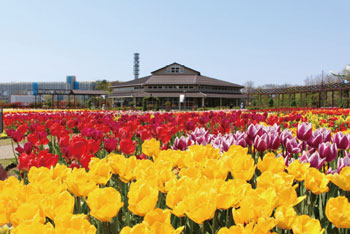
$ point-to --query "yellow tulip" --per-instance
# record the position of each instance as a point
(73, 224)
(157, 215)
(9, 191)
(162, 174)
(214, 169)
(236, 229)
(104, 203)
(39, 174)
(100, 171)
(200, 205)
(342, 180)
(316, 182)
(289, 197)
(80, 183)
(285, 216)
(230, 193)
(27, 213)
(271, 163)
(263, 226)
(177, 191)
(141, 228)
(47, 187)
(165, 228)
(278, 181)
(241, 166)
(33, 228)
(258, 203)
(200, 152)
(124, 167)
(298, 170)
(143, 197)
(57, 204)
(338, 212)
(306, 224)
(60, 171)
(151, 148)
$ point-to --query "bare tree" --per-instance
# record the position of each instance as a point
(248, 87)
(318, 79)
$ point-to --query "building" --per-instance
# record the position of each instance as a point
(171, 81)
(30, 89)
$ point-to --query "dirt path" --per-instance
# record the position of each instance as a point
(6, 151)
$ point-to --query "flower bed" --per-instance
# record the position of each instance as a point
(193, 172)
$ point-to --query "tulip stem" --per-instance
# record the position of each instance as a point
(126, 212)
(78, 204)
(202, 228)
(213, 227)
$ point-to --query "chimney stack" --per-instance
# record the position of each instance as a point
(136, 65)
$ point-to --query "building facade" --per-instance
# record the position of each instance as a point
(171, 82)
(30, 89)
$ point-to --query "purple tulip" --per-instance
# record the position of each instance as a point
(328, 151)
(315, 140)
(292, 146)
(261, 142)
(274, 141)
(314, 159)
(286, 134)
(110, 144)
(304, 131)
(200, 136)
(181, 143)
(341, 140)
(326, 134)
(343, 162)
(251, 133)
(241, 142)
(331, 171)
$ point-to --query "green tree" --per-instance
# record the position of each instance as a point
(104, 85)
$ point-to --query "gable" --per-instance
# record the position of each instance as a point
(175, 69)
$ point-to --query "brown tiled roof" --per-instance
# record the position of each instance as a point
(177, 79)
(204, 80)
(172, 79)
(139, 81)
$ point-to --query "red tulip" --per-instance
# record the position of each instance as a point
(110, 144)
(127, 146)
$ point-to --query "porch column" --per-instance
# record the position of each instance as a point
(220, 103)
(203, 102)
(121, 102)
(134, 100)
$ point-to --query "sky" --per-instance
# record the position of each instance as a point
(267, 42)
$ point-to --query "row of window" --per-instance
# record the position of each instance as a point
(178, 87)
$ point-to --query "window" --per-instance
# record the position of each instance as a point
(175, 69)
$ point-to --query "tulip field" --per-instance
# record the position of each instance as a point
(264, 171)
